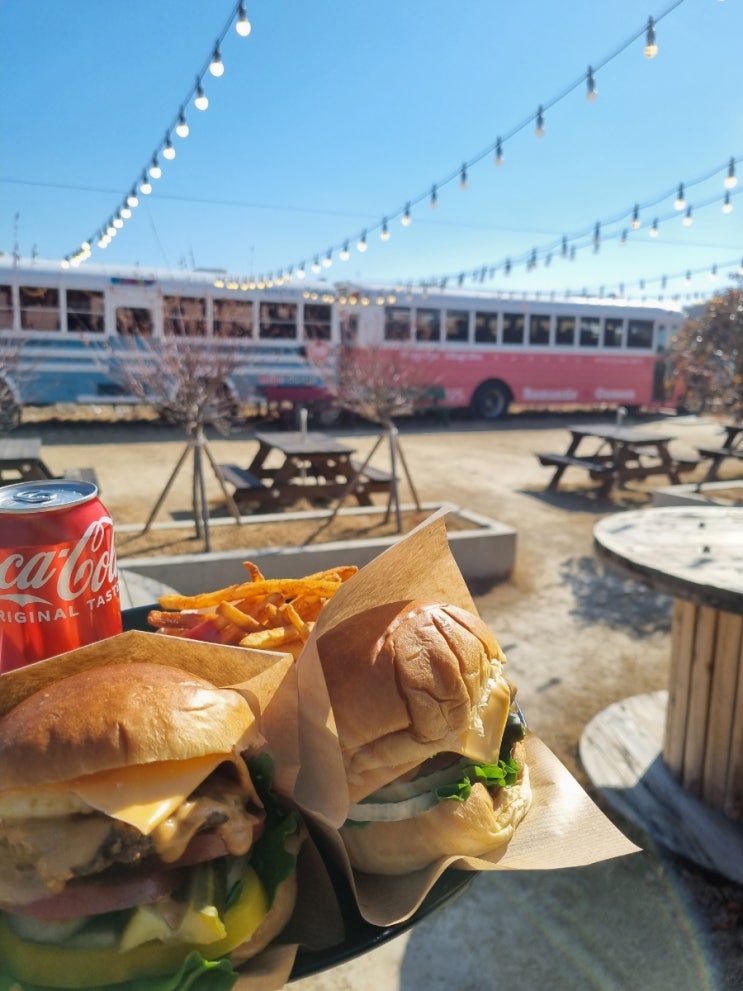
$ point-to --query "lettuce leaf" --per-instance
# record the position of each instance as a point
(499, 775)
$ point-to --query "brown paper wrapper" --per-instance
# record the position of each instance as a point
(563, 827)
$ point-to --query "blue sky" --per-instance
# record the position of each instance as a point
(334, 114)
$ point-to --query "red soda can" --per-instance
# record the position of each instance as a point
(59, 583)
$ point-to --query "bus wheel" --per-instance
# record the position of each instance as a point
(491, 400)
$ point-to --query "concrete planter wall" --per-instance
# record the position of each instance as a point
(484, 553)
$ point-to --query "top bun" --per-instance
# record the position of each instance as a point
(116, 716)
(406, 681)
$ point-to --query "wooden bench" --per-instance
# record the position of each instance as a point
(376, 476)
(249, 489)
(596, 467)
(241, 478)
(718, 455)
(82, 475)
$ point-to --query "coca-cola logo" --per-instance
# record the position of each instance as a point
(63, 573)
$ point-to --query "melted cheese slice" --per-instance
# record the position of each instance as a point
(143, 795)
(483, 740)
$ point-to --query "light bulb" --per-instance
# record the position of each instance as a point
(118, 223)
(362, 245)
(654, 229)
(243, 26)
(154, 169)
(132, 199)
(328, 260)
(679, 203)
(406, 219)
(499, 153)
(731, 180)
(539, 128)
(344, 253)
(687, 221)
(169, 150)
(181, 128)
(651, 48)
(301, 272)
(145, 186)
(384, 234)
(463, 178)
(591, 93)
(316, 266)
(216, 66)
(434, 198)
(635, 225)
(125, 212)
(201, 101)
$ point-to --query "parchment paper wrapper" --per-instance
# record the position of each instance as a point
(268, 681)
(563, 828)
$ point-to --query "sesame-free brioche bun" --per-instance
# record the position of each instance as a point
(409, 680)
(116, 716)
(484, 821)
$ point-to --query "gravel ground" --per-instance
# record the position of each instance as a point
(577, 637)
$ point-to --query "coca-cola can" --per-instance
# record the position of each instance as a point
(59, 583)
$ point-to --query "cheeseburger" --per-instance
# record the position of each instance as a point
(134, 842)
(432, 740)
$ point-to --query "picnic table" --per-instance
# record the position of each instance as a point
(674, 760)
(293, 465)
(615, 454)
(731, 447)
(21, 461)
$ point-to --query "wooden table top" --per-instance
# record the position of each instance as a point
(14, 448)
(296, 443)
(693, 553)
(625, 435)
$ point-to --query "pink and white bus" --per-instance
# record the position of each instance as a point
(63, 331)
(485, 352)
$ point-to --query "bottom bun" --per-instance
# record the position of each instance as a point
(273, 923)
(467, 829)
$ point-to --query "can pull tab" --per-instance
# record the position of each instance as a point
(36, 497)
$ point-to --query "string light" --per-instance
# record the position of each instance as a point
(328, 259)
(727, 206)
(679, 203)
(154, 169)
(181, 128)
(687, 221)
(406, 220)
(361, 244)
(243, 26)
(635, 224)
(144, 187)
(499, 152)
(539, 128)
(463, 177)
(731, 180)
(345, 254)
(591, 92)
(654, 229)
(168, 149)
(651, 48)
(434, 201)
(384, 234)
(216, 66)
(201, 100)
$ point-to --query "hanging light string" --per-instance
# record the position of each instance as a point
(495, 150)
(632, 220)
(623, 290)
(166, 149)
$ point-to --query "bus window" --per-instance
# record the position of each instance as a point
(278, 320)
(133, 321)
(39, 308)
(396, 323)
(317, 321)
(513, 328)
(84, 311)
(427, 325)
(457, 325)
(565, 330)
(6, 308)
(184, 316)
(613, 332)
(640, 334)
(486, 328)
(539, 329)
(590, 332)
(233, 318)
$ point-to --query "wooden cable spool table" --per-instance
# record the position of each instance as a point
(693, 799)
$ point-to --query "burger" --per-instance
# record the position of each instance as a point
(431, 737)
(135, 843)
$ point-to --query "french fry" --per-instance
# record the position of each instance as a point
(263, 613)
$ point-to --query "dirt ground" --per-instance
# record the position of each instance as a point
(577, 636)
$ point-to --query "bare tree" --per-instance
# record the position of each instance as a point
(10, 371)
(186, 381)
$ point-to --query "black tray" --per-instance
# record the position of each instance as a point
(361, 936)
